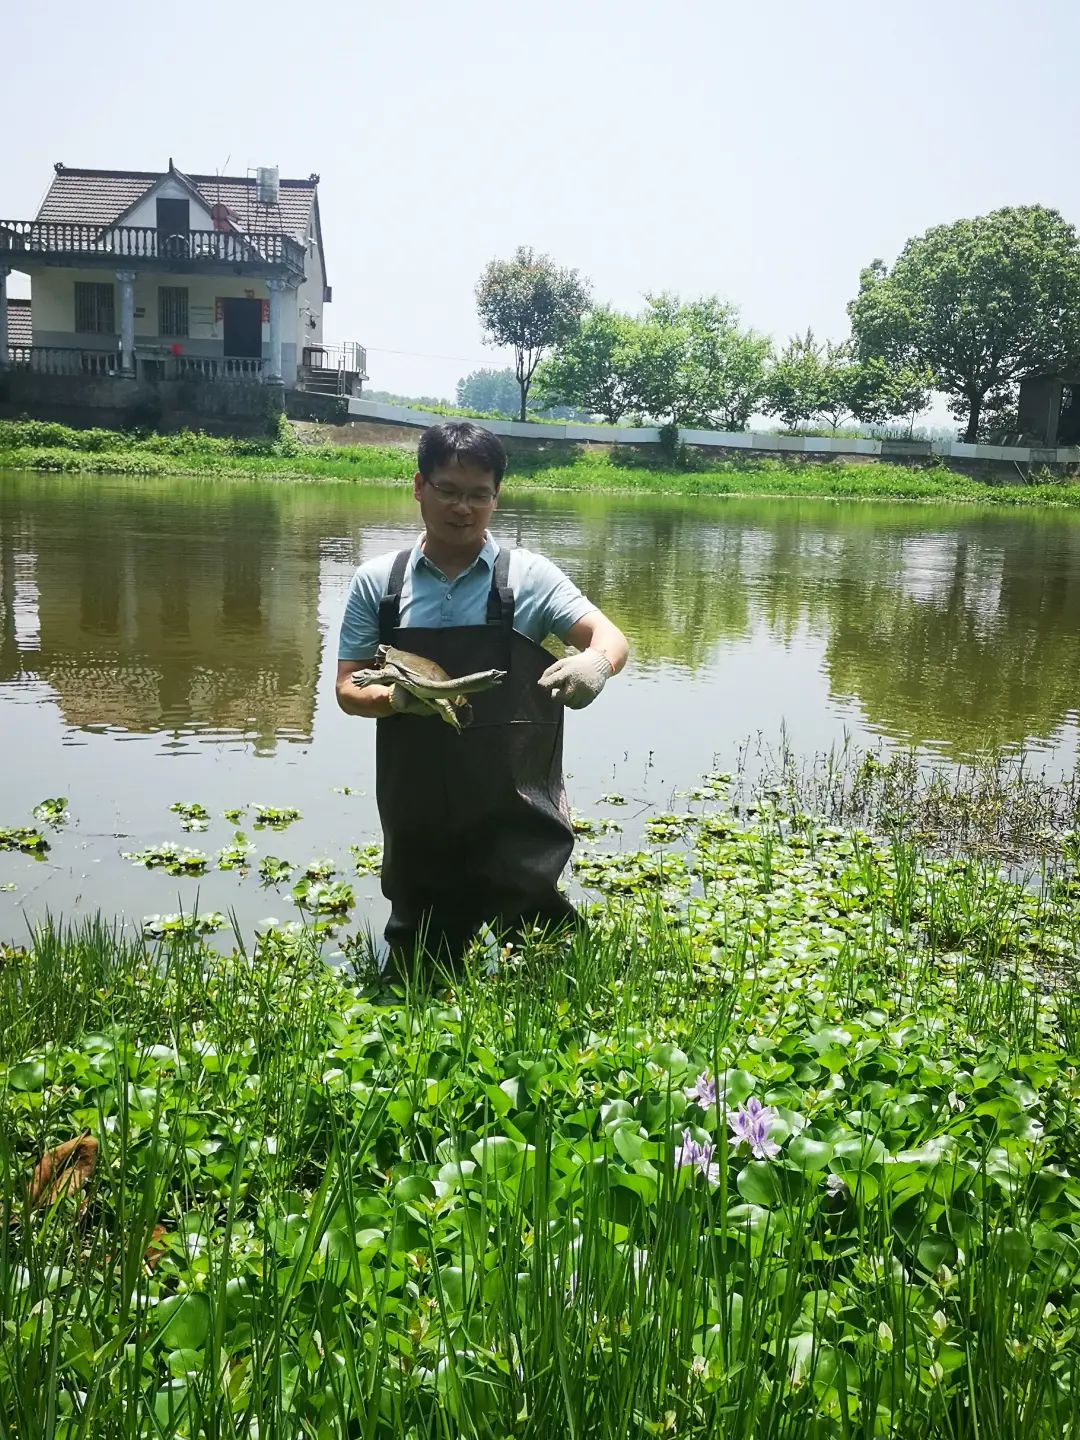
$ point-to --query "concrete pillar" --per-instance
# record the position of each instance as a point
(276, 285)
(127, 320)
(5, 271)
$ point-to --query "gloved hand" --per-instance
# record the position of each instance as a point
(576, 680)
(402, 703)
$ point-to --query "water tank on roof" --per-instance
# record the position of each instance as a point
(266, 184)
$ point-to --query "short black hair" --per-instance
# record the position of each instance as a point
(463, 443)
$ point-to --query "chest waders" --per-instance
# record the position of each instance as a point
(476, 827)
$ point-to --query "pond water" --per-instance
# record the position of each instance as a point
(175, 640)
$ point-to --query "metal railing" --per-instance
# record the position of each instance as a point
(332, 369)
(125, 243)
(63, 360)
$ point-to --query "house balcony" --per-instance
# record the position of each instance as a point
(25, 244)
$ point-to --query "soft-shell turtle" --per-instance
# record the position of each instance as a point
(427, 681)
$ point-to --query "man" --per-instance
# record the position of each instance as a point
(475, 824)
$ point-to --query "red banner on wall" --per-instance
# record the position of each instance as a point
(219, 310)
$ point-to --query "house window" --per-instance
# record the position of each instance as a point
(94, 309)
(172, 310)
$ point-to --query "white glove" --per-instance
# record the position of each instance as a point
(577, 680)
(403, 703)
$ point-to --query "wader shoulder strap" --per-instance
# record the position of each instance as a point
(390, 604)
(500, 606)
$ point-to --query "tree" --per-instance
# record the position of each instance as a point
(796, 386)
(495, 391)
(698, 368)
(980, 302)
(878, 392)
(529, 304)
(599, 368)
(837, 374)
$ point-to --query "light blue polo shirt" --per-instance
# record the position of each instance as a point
(546, 602)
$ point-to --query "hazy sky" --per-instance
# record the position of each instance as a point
(761, 151)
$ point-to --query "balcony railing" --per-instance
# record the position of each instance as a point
(63, 360)
(123, 244)
(151, 364)
(212, 367)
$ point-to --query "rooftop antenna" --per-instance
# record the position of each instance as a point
(220, 168)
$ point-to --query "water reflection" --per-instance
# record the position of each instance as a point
(194, 606)
(147, 608)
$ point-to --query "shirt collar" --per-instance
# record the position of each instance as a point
(486, 557)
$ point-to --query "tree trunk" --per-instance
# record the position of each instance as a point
(524, 398)
(974, 413)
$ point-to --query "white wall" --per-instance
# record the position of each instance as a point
(310, 298)
(760, 442)
(145, 213)
(53, 296)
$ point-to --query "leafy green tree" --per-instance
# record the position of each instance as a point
(979, 302)
(494, 391)
(529, 304)
(837, 375)
(598, 369)
(878, 391)
(698, 368)
(796, 385)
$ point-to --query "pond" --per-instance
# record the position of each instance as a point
(175, 640)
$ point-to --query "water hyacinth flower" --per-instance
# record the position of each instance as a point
(753, 1123)
(704, 1091)
(700, 1156)
(836, 1187)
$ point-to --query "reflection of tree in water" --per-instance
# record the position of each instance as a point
(940, 624)
(171, 605)
(969, 667)
(195, 606)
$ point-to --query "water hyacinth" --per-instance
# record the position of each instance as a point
(704, 1091)
(753, 1123)
(525, 1267)
(690, 1152)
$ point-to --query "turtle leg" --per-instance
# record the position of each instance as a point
(446, 712)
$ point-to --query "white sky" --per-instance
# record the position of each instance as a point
(762, 151)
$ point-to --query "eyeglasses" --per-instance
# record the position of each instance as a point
(449, 495)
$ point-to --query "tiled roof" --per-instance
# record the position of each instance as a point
(99, 197)
(19, 329)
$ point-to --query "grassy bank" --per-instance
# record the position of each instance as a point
(33, 445)
(785, 1146)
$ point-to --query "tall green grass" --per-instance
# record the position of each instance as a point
(454, 1208)
(51, 448)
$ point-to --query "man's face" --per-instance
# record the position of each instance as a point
(457, 503)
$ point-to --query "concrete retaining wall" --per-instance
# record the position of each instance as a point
(116, 402)
(375, 412)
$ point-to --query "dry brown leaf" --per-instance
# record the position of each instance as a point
(154, 1251)
(63, 1170)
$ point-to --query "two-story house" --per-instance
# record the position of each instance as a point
(158, 276)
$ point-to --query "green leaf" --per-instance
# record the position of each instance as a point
(185, 1321)
(628, 1142)
(27, 1075)
(809, 1155)
(414, 1187)
(757, 1183)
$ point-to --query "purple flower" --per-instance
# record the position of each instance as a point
(701, 1156)
(753, 1123)
(704, 1091)
(836, 1187)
